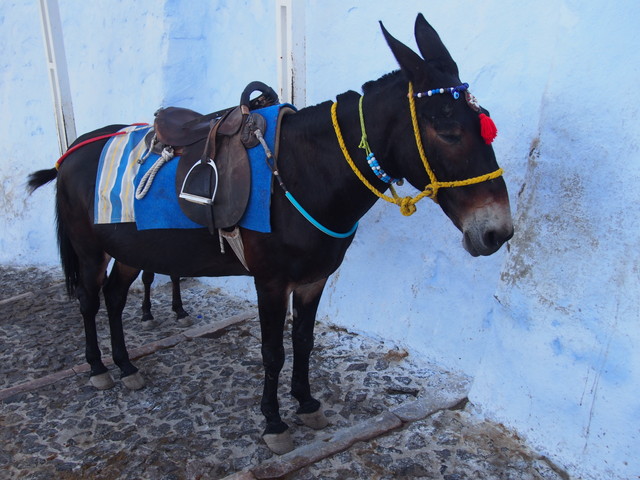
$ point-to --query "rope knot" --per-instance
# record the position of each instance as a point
(407, 206)
(431, 191)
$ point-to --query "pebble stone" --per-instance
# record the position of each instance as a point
(199, 414)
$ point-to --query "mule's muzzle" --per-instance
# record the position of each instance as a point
(486, 243)
(486, 230)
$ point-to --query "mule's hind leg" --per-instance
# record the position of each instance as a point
(147, 280)
(91, 277)
(305, 305)
(115, 296)
(272, 308)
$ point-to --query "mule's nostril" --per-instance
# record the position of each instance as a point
(495, 238)
(491, 239)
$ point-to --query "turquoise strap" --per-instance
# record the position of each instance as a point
(313, 221)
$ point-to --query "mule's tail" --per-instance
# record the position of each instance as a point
(68, 256)
(40, 178)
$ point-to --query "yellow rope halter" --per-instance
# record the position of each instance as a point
(407, 204)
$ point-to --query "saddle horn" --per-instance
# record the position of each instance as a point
(270, 95)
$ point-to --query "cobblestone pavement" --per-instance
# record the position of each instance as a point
(198, 416)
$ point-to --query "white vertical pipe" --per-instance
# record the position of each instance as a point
(58, 74)
(291, 55)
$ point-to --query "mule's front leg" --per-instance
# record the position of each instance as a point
(272, 308)
(305, 305)
(115, 297)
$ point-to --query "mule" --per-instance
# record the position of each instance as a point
(421, 129)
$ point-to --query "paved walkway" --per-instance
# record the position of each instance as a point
(198, 417)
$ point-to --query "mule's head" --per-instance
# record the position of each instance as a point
(464, 173)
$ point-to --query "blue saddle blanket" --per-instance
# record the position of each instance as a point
(119, 174)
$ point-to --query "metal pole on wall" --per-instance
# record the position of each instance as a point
(58, 74)
(291, 57)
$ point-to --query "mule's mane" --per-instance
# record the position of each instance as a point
(382, 82)
(368, 87)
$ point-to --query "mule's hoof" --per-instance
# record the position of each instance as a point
(102, 381)
(279, 443)
(185, 321)
(149, 324)
(134, 381)
(315, 420)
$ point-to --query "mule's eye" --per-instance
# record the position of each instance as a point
(449, 131)
(449, 137)
(452, 134)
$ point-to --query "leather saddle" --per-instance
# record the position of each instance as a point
(213, 178)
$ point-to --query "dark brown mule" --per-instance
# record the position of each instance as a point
(296, 257)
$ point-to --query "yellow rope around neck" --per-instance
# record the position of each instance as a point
(407, 204)
(347, 156)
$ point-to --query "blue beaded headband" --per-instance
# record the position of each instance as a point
(454, 91)
(488, 129)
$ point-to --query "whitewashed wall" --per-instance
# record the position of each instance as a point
(548, 328)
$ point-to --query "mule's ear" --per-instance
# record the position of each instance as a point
(410, 62)
(432, 48)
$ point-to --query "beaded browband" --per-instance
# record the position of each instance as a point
(488, 129)
(454, 91)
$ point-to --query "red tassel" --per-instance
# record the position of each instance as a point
(488, 129)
